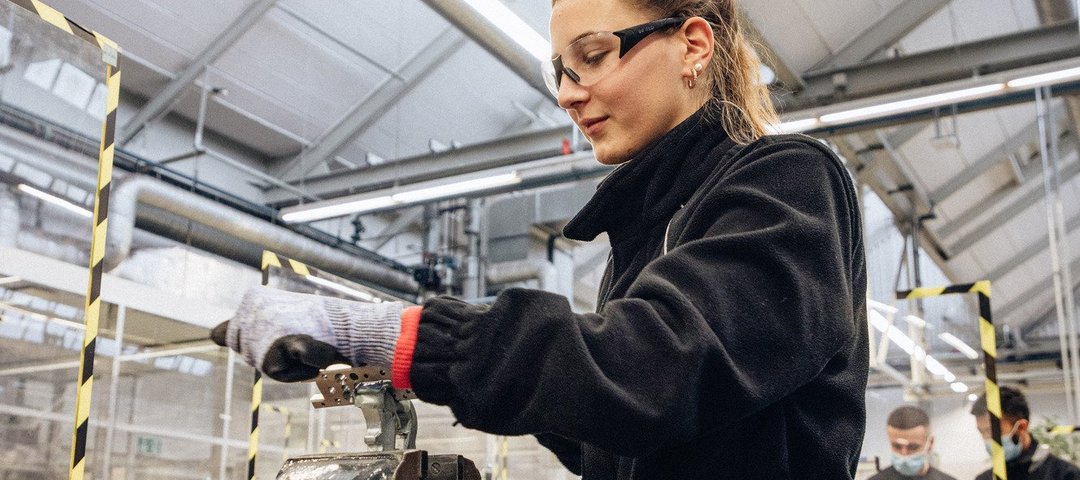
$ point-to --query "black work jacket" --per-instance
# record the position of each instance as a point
(1032, 466)
(730, 340)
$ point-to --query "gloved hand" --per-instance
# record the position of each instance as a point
(290, 336)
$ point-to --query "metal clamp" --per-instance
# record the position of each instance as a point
(388, 413)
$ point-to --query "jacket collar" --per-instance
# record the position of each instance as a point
(650, 187)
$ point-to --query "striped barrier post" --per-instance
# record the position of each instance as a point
(988, 340)
(110, 53)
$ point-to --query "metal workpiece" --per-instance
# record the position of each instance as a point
(388, 413)
(399, 465)
(391, 434)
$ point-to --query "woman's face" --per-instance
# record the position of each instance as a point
(639, 100)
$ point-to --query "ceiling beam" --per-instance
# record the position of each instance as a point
(787, 80)
(163, 101)
(501, 152)
(405, 220)
(890, 29)
(1030, 252)
(1025, 297)
(491, 38)
(905, 133)
(366, 112)
(1000, 153)
(983, 57)
(1033, 173)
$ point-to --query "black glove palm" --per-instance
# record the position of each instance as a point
(292, 358)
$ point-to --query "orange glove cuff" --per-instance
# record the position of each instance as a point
(406, 345)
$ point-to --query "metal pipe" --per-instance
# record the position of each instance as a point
(132, 191)
(226, 416)
(133, 428)
(53, 366)
(1055, 260)
(522, 270)
(114, 385)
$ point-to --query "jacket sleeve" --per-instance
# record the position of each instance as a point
(568, 451)
(716, 330)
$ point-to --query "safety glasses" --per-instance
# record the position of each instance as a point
(587, 59)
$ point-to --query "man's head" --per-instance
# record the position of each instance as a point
(908, 429)
(1015, 421)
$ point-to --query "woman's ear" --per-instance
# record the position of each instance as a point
(698, 34)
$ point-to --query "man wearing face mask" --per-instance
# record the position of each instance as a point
(908, 429)
(1025, 459)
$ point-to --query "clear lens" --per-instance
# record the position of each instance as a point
(592, 56)
(589, 58)
(547, 70)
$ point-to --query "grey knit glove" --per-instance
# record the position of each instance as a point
(290, 336)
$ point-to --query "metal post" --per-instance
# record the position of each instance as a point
(114, 384)
(311, 440)
(1055, 260)
(1066, 259)
(226, 416)
(129, 470)
(918, 336)
(473, 272)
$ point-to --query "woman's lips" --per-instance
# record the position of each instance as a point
(592, 126)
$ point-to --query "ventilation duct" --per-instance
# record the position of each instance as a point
(237, 228)
(523, 270)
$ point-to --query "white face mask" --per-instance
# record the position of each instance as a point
(1011, 448)
(910, 465)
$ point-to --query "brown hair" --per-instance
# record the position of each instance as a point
(907, 417)
(738, 98)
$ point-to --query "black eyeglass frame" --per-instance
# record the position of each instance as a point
(628, 39)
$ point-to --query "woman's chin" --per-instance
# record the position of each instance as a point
(609, 156)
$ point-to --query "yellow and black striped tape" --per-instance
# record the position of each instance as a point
(271, 259)
(84, 390)
(989, 347)
(1064, 429)
(253, 437)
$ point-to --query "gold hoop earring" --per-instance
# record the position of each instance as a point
(697, 68)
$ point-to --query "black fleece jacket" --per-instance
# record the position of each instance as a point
(1027, 467)
(739, 353)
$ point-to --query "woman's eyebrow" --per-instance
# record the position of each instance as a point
(583, 35)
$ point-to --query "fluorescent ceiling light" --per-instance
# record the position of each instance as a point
(973, 397)
(908, 346)
(1045, 78)
(457, 188)
(795, 126)
(513, 26)
(311, 212)
(959, 345)
(959, 387)
(911, 104)
(7, 280)
(913, 320)
(881, 306)
(339, 207)
(343, 289)
(878, 320)
(53, 199)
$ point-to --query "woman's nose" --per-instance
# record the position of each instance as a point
(571, 94)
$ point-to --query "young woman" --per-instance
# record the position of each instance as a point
(730, 335)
